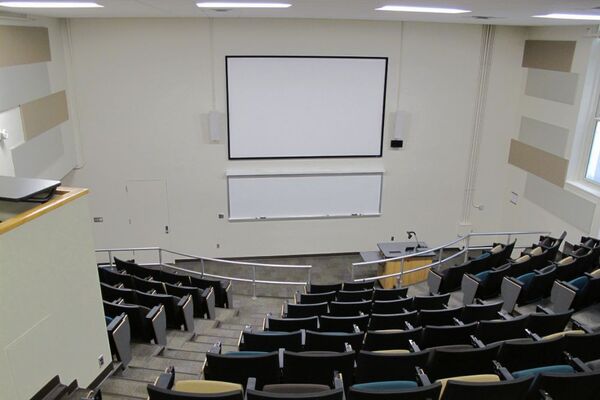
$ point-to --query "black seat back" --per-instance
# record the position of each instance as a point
(306, 310)
(140, 329)
(271, 341)
(323, 288)
(238, 368)
(341, 309)
(317, 367)
(452, 277)
(333, 394)
(518, 354)
(292, 324)
(540, 286)
(392, 339)
(585, 347)
(580, 386)
(200, 306)
(218, 286)
(392, 306)
(111, 293)
(157, 393)
(315, 298)
(328, 323)
(436, 302)
(546, 324)
(447, 335)
(356, 286)
(112, 278)
(174, 318)
(449, 361)
(503, 390)
(481, 312)
(393, 321)
(440, 317)
(497, 330)
(174, 279)
(137, 270)
(389, 294)
(375, 367)
(354, 295)
(332, 341)
(145, 285)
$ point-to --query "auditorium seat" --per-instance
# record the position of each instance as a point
(318, 367)
(111, 293)
(567, 386)
(481, 312)
(315, 298)
(389, 294)
(434, 302)
(575, 265)
(203, 299)
(344, 309)
(577, 293)
(222, 289)
(478, 387)
(237, 367)
(298, 391)
(290, 324)
(165, 387)
(332, 341)
(393, 321)
(179, 310)
(527, 288)
(521, 354)
(119, 338)
(398, 306)
(392, 339)
(146, 324)
(306, 310)
(328, 323)
(447, 316)
(386, 366)
(354, 295)
(434, 336)
(271, 341)
(543, 324)
(501, 329)
(448, 361)
(137, 270)
(398, 390)
(357, 286)
(113, 277)
(149, 285)
(585, 347)
(174, 278)
(324, 288)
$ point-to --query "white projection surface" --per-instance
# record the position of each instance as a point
(293, 107)
(257, 197)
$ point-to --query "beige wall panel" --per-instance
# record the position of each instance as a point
(555, 55)
(552, 85)
(23, 45)
(43, 114)
(544, 136)
(539, 162)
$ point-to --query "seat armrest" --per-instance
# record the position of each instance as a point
(576, 363)
(338, 380)
(544, 310)
(422, 378)
(297, 297)
(215, 348)
(119, 338)
(251, 384)
(355, 328)
(266, 322)
(502, 371)
(240, 341)
(544, 395)
(533, 335)
(514, 280)
(413, 346)
(479, 301)
(186, 306)
(348, 347)
(476, 342)
(409, 325)
(567, 285)
(579, 325)
(166, 379)
(458, 322)
(284, 309)
(504, 315)
(158, 319)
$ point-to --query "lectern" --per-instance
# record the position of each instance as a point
(397, 249)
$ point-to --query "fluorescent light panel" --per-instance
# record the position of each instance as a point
(434, 10)
(227, 5)
(50, 4)
(582, 17)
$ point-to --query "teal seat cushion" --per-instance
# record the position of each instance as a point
(246, 353)
(526, 279)
(272, 333)
(580, 282)
(108, 320)
(560, 369)
(386, 385)
(483, 256)
(482, 276)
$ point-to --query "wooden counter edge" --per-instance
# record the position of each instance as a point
(62, 196)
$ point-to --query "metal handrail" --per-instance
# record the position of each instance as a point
(464, 250)
(203, 273)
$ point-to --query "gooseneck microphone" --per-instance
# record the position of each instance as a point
(410, 236)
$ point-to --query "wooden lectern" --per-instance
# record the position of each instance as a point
(397, 249)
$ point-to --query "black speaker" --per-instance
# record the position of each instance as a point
(397, 143)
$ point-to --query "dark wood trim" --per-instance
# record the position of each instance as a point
(106, 372)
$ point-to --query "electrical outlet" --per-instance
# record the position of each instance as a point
(392, 239)
(514, 198)
(218, 245)
(221, 216)
(98, 219)
(101, 360)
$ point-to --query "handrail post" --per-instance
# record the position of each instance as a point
(508, 238)
(110, 259)
(160, 256)
(467, 243)
(254, 282)
(202, 265)
(308, 281)
(401, 273)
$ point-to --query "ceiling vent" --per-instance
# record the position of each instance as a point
(484, 17)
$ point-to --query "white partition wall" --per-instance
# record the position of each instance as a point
(288, 107)
(326, 195)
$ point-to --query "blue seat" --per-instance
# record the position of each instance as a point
(559, 369)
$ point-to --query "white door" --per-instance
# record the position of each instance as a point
(148, 210)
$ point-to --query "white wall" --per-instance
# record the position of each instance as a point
(50, 303)
(527, 214)
(23, 83)
(143, 89)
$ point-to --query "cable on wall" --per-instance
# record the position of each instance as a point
(485, 61)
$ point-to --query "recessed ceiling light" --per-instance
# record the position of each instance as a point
(223, 4)
(50, 4)
(583, 17)
(435, 10)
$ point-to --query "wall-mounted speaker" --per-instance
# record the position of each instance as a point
(215, 125)
(400, 127)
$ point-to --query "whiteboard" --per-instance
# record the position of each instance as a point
(297, 107)
(253, 197)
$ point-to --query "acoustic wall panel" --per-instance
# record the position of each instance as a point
(539, 162)
(23, 45)
(566, 205)
(555, 55)
(544, 136)
(23, 83)
(258, 197)
(552, 85)
(295, 107)
(36, 157)
(43, 114)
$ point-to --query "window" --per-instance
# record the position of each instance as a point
(593, 166)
